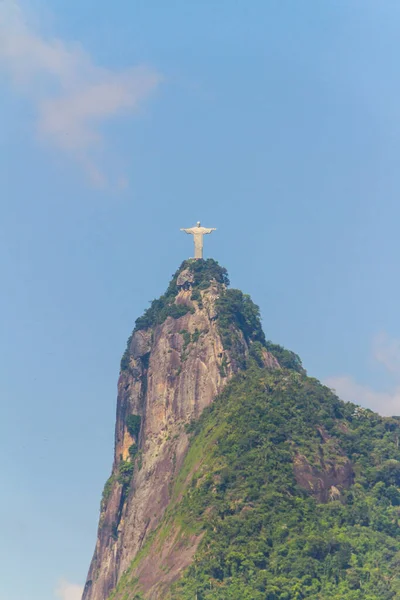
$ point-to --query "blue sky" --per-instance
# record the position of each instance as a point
(276, 122)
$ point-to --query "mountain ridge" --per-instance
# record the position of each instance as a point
(237, 476)
(264, 531)
(182, 352)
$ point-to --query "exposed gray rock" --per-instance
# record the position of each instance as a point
(168, 384)
(185, 278)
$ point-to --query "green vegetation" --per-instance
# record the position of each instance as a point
(133, 450)
(239, 324)
(125, 472)
(256, 353)
(126, 355)
(161, 309)
(188, 338)
(286, 358)
(107, 492)
(236, 309)
(196, 297)
(265, 537)
(133, 423)
(204, 272)
(222, 367)
(239, 321)
(238, 317)
(196, 335)
(125, 467)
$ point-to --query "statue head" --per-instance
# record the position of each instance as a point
(198, 224)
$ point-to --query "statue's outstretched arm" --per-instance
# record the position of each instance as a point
(187, 230)
(210, 230)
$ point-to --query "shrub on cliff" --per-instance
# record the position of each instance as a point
(204, 272)
(237, 314)
(133, 423)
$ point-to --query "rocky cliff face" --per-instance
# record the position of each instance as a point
(277, 489)
(175, 364)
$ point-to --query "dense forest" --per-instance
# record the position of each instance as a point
(267, 537)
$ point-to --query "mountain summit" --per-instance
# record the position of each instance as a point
(235, 475)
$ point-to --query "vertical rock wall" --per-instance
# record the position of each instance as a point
(171, 372)
(174, 373)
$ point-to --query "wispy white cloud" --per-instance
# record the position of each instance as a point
(72, 96)
(347, 388)
(68, 591)
(386, 352)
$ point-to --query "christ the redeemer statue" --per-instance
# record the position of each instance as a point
(198, 232)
